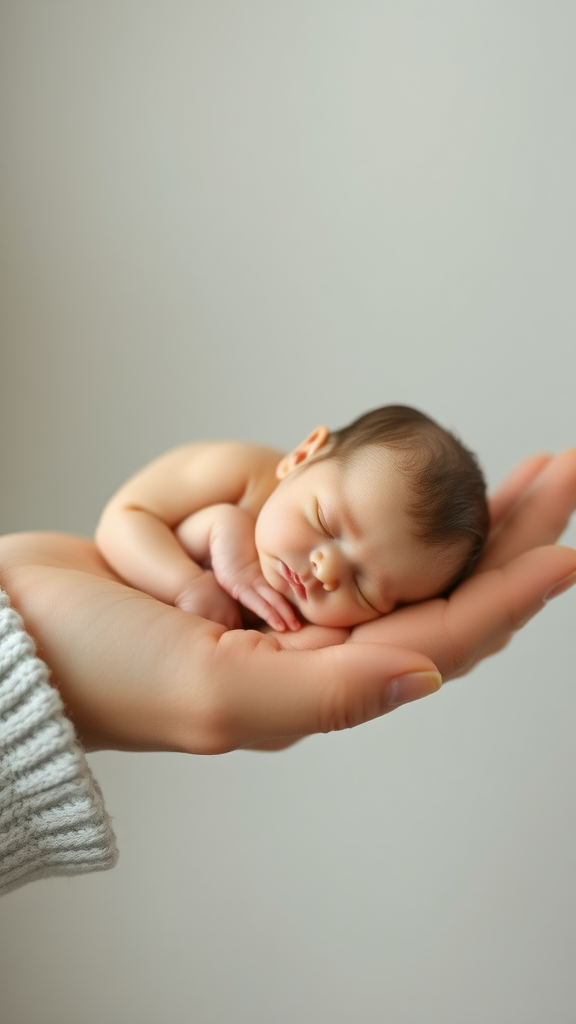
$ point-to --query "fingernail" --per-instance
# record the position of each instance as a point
(412, 686)
(560, 587)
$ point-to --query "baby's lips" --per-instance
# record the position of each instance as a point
(294, 580)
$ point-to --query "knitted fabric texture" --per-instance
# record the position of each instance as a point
(52, 816)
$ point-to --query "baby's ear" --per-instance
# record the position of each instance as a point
(312, 444)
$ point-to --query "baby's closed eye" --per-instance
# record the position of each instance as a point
(322, 522)
(363, 597)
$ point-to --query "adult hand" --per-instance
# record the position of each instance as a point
(138, 674)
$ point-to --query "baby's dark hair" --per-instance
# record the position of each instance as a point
(448, 505)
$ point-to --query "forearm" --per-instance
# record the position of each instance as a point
(54, 821)
(222, 536)
(145, 552)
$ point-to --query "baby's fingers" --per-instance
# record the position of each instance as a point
(280, 606)
(270, 606)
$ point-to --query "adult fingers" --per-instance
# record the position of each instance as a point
(539, 516)
(501, 601)
(488, 653)
(512, 488)
(480, 615)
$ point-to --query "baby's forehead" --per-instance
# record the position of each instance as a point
(367, 481)
(370, 471)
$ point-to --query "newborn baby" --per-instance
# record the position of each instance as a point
(387, 511)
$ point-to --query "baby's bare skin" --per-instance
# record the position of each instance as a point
(212, 528)
(162, 531)
(136, 674)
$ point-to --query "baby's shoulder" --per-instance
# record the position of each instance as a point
(244, 465)
(233, 453)
(251, 466)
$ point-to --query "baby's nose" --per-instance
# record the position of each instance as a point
(325, 569)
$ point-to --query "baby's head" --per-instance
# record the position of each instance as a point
(387, 511)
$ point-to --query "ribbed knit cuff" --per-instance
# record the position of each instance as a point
(52, 816)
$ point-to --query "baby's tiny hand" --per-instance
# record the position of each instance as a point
(249, 587)
(204, 596)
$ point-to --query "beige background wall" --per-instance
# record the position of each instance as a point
(242, 219)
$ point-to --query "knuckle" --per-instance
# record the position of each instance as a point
(511, 618)
(456, 658)
(343, 705)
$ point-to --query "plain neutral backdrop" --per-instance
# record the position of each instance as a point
(226, 219)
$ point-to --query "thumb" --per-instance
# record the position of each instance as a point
(280, 694)
(351, 689)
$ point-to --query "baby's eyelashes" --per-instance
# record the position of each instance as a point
(363, 598)
(322, 522)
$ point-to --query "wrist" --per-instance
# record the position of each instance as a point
(193, 585)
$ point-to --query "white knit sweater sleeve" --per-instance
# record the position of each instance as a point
(52, 816)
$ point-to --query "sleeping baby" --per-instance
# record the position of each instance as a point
(384, 512)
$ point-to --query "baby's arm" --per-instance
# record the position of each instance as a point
(224, 536)
(136, 532)
(142, 549)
